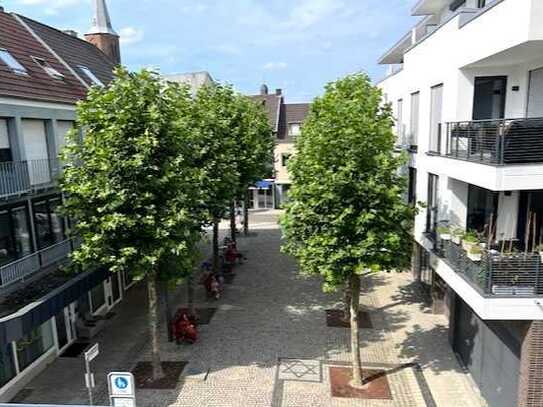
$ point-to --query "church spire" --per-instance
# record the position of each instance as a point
(102, 34)
(101, 23)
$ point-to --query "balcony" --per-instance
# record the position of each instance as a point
(496, 274)
(496, 142)
(23, 177)
(24, 268)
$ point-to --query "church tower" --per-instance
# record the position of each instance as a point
(102, 35)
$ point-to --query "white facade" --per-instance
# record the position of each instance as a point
(439, 63)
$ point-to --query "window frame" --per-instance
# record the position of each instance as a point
(49, 70)
(290, 133)
(90, 75)
(19, 69)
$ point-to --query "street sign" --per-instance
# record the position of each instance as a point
(123, 402)
(122, 391)
(92, 352)
(121, 384)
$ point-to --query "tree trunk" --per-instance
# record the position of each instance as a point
(347, 303)
(215, 263)
(190, 296)
(158, 373)
(233, 221)
(167, 309)
(246, 214)
(355, 345)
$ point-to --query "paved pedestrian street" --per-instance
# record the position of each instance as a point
(268, 343)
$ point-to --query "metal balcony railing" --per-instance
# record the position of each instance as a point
(22, 177)
(510, 274)
(496, 142)
(25, 267)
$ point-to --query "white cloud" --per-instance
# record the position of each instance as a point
(275, 66)
(310, 12)
(131, 35)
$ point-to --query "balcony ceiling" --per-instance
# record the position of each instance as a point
(396, 53)
(427, 7)
(523, 53)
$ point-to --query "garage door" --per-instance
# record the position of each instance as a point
(491, 352)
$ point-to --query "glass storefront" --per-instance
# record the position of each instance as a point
(7, 364)
(33, 345)
(98, 297)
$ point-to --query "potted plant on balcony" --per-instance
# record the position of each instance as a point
(443, 232)
(469, 240)
(456, 235)
(475, 253)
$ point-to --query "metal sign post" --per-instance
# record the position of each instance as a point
(89, 376)
(122, 391)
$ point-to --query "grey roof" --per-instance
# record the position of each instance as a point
(101, 23)
(272, 105)
(194, 79)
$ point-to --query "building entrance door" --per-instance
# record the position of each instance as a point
(65, 322)
(113, 290)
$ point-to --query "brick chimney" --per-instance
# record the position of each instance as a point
(102, 35)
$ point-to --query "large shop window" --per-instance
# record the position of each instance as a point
(50, 228)
(98, 297)
(30, 347)
(7, 364)
(15, 241)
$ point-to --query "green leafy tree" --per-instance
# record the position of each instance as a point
(217, 125)
(346, 216)
(132, 183)
(254, 156)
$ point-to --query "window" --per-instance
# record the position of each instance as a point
(48, 223)
(414, 120)
(284, 159)
(482, 206)
(436, 110)
(432, 202)
(15, 241)
(412, 191)
(98, 297)
(52, 72)
(89, 74)
(294, 129)
(12, 63)
(455, 5)
(481, 3)
(63, 128)
(31, 346)
(5, 150)
(399, 121)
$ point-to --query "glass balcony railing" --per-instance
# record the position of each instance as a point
(495, 142)
(494, 273)
(25, 267)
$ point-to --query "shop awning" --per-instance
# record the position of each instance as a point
(264, 184)
(22, 321)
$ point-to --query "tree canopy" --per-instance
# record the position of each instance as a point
(346, 213)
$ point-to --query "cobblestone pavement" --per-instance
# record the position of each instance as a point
(268, 344)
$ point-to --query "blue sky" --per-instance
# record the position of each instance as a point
(297, 45)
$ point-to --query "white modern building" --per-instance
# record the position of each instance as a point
(466, 87)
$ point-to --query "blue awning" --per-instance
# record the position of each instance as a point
(264, 184)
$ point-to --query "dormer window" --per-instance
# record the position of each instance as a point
(12, 63)
(52, 72)
(294, 129)
(90, 75)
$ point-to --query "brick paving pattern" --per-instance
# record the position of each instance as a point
(271, 319)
